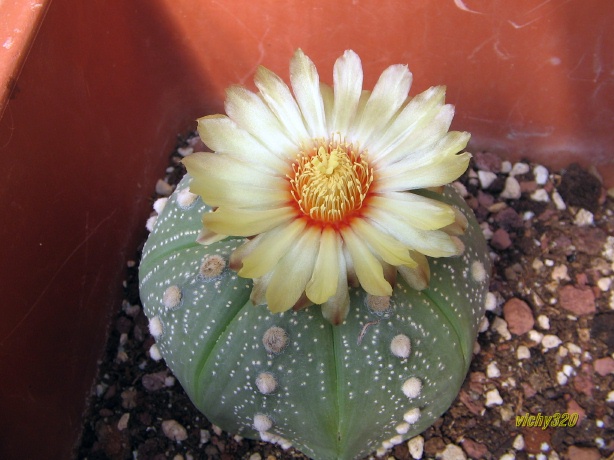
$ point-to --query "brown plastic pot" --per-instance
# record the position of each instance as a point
(89, 117)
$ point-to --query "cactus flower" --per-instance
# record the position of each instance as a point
(325, 182)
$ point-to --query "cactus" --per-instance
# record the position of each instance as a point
(333, 392)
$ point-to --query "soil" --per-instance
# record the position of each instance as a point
(546, 346)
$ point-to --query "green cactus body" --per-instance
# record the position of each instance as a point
(332, 392)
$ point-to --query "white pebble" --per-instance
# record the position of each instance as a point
(519, 169)
(557, 199)
(568, 370)
(507, 456)
(185, 151)
(492, 371)
(541, 174)
(550, 341)
(216, 429)
(610, 397)
(154, 353)
(159, 204)
(518, 443)
(543, 321)
(500, 326)
(486, 231)
(416, 446)
(412, 387)
(511, 190)
(493, 398)
(561, 378)
(255, 456)
(540, 195)
(163, 188)
(173, 430)
(460, 188)
(491, 301)
(122, 424)
(452, 452)
(559, 273)
(506, 167)
(483, 324)
(486, 178)
(604, 284)
(583, 218)
(535, 336)
(523, 352)
(400, 346)
(573, 348)
(528, 215)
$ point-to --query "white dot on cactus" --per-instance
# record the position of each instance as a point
(275, 340)
(266, 383)
(412, 415)
(378, 304)
(185, 198)
(402, 428)
(154, 353)
(478, 272)
(212, 266)
(155, 327)
(171, 297)
(159, 204)
(412, 387)
(400, 346)
(262, 423)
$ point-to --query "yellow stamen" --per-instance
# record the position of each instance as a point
(331, 181)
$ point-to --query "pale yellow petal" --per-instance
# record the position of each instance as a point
(388, 248)
(368, 269)
(250, 112)
(306, 87)
(245, 222)
(440, 165)
(328, 101)
(421, 212)
(336, 308)
(222, 135)
(258, 294)
(278, 97)
(417, 114)
(323, 283)
(347, 79)
(417, 277)
(292, 272)
(271, 247)
(433, 243)
(459, 225)
(387, 97)
(207, 236)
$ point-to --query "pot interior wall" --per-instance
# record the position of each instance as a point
(106, 87)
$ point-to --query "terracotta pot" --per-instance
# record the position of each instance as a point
(89, 118)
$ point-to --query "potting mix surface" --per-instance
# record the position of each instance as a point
(546, 345)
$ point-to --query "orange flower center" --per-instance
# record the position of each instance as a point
(330, 181)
